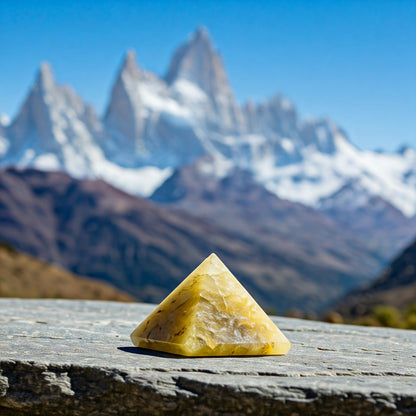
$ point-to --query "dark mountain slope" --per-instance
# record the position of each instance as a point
(93, 229)
(373, 219)
(239, 204)
(395, 287)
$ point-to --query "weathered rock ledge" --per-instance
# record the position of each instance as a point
(75, 358)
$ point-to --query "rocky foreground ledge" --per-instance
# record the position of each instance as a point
(75, 358)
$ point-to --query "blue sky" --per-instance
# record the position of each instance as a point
(353, 61)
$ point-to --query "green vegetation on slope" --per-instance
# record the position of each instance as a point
(389, 316)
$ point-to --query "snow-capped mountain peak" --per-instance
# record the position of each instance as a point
(129, 64)
(197, 62)
(154, 125)
(54, 128)
(322, 134)
(123, 112)
(202, 34)
(146, 122)
(276, 116)
(407, 151)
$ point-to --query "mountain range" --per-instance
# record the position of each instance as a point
(96, 230)
(291, 193)
(153, 125)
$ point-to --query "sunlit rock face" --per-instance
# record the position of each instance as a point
(210, 314)
(153, 125)
(198, 63)
(145, 123)
(54, 129)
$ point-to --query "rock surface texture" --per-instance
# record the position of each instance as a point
(75, 358)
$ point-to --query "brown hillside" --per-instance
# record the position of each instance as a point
(22, 276)
(96, 230)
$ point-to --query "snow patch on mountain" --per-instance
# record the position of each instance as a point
(152, 126)
(198, 63)
(54, 129)
(352, 195)
(4, 120)
(146, 125)
(318, 175)
(141, 181)
(4, 145)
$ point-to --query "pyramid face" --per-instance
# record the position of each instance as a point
(210, 314)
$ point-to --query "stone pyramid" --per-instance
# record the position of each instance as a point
(210, 314)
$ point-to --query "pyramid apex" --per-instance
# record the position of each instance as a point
(212, 265)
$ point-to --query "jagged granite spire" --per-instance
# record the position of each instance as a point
(124, 111)
(322, 134)
(274, 117)
(198, 62)
(45, 78)
(33, 118)
(54, 128)
(129, 64)
(142, 120)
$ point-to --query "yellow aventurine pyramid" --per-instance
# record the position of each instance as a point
(210, 314)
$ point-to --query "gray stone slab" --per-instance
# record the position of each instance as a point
(63, 357)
